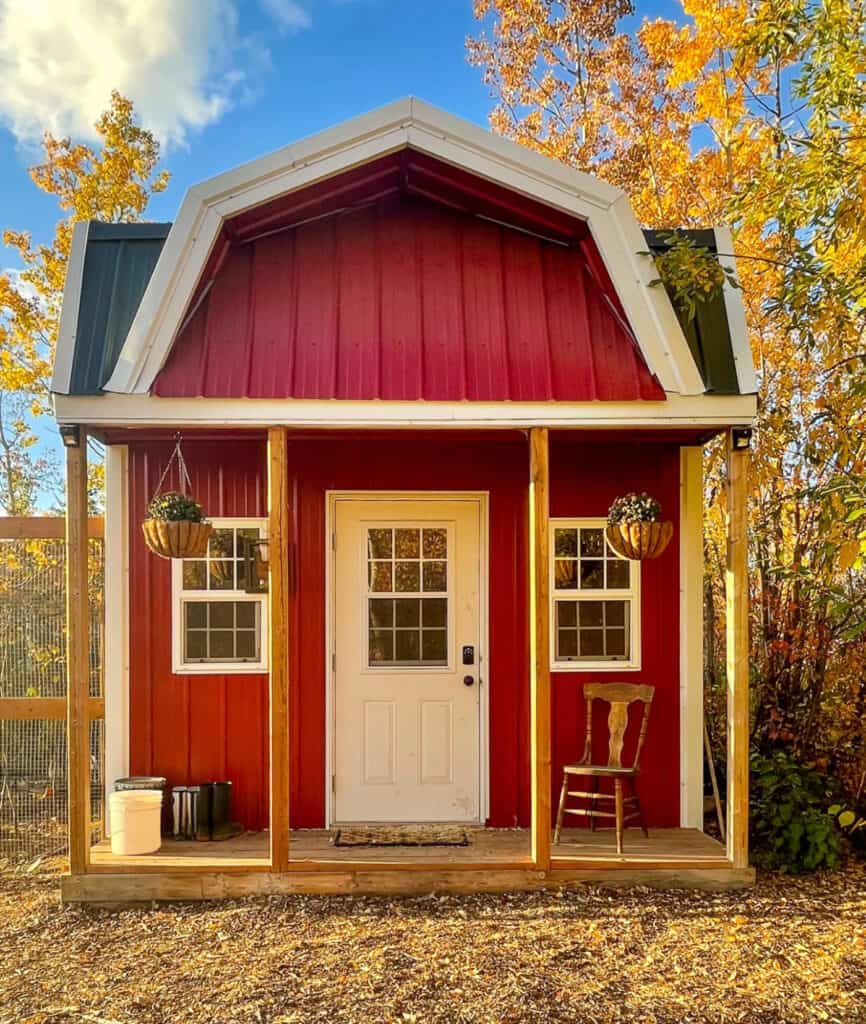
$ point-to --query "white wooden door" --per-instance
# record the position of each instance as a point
(406, 593)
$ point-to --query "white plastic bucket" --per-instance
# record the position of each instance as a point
(135, 821)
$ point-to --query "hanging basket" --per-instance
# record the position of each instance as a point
(640, 540)
(174, 526)
(178, 538)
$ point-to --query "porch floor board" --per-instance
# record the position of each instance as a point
(311, 850)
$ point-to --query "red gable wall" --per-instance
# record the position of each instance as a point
(406, 299)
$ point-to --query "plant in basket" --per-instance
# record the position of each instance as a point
(174, 526)
(635, 528)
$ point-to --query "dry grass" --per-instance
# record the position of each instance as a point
(791, 950)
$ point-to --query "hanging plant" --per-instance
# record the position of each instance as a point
(175, 526)
(635, 528)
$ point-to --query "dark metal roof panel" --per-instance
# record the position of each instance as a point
(118, 262)
(708, 333)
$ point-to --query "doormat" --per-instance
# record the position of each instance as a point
(402, 835)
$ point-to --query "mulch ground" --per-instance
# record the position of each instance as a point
(792, 950)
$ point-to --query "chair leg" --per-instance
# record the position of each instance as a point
(593, 803)
(561, 812)
(639, 809)
(617, 792)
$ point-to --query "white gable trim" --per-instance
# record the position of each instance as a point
(412, 123)
(64, 352)
(152, 411)
(746, 377)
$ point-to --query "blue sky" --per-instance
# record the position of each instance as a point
(220, 81)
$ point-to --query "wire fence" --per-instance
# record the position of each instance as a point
(33, 763)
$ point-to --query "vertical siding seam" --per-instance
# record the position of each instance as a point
(551, 391)
(464, 346)
(506, 362)
(249, 341)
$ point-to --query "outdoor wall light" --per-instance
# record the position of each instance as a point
(70, 435)
(741, 438)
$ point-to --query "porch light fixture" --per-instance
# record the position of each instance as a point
(741, 438)
(70, 435)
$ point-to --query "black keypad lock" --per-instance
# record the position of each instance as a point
(468, 655)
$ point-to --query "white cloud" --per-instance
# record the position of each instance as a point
(288, 15)
(183, 62)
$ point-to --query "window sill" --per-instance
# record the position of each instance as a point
(219, 669)
(594, 666)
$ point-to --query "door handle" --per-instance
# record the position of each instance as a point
(468, 680)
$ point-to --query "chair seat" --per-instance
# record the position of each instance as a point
(597, 769)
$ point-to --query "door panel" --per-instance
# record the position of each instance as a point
(406, 587)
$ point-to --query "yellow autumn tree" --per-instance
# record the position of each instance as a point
(112, 182)
(750, 113)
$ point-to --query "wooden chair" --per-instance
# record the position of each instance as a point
(620, 697)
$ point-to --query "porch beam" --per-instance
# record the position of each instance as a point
(737, 641)
(539, 643)
(77, 657)
(278, 561)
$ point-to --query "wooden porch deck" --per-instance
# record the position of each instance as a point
(494, 860)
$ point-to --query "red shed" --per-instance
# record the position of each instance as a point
(410, 366)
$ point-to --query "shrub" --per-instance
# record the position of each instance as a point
(790, 827)
(634, 508)
(173, 506)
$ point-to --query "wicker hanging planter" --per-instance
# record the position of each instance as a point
(174, 526)
(640, 540)
(634, 529)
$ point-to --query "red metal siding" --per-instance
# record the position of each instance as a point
(585, 478)
(403, 300)
(191, 728)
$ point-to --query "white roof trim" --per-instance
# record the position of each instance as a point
(407, 122)
(64, 351)
(152, 411)
(747, 379)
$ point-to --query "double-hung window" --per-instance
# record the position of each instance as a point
(596, 599)
(217, 626)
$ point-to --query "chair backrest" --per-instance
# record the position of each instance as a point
(620, 696)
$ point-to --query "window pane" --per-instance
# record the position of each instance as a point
(435, 576)
(379, 576)
(196, 645)
(194, 577)
(379, 543)
(407, 611)
(381, 613)
(408, 577)
(221, 544)
(222, 615)
(407, 645)
(592, 543)
(222, 575)
(196, 614)
(246, 644)
(245, 614)
(381, 646)
(618, 574)
(614, 613)
(615, 639)
(566, 613)
(435, 543)
(434, 645)
(591, 643)
(222, 644)
(565, 543)
(566, 644)
(591, 575)
(435, 611)
(407, 543)
(566, 574)
(591, 613)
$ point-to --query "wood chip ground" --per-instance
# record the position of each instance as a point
(792, 950)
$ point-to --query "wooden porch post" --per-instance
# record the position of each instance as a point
(278, 558)
(539, 643)
(737, 635)
(77, 657)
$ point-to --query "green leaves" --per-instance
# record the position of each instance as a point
(173, 507)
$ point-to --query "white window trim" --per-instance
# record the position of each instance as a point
(179, 597)
(632, 593)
